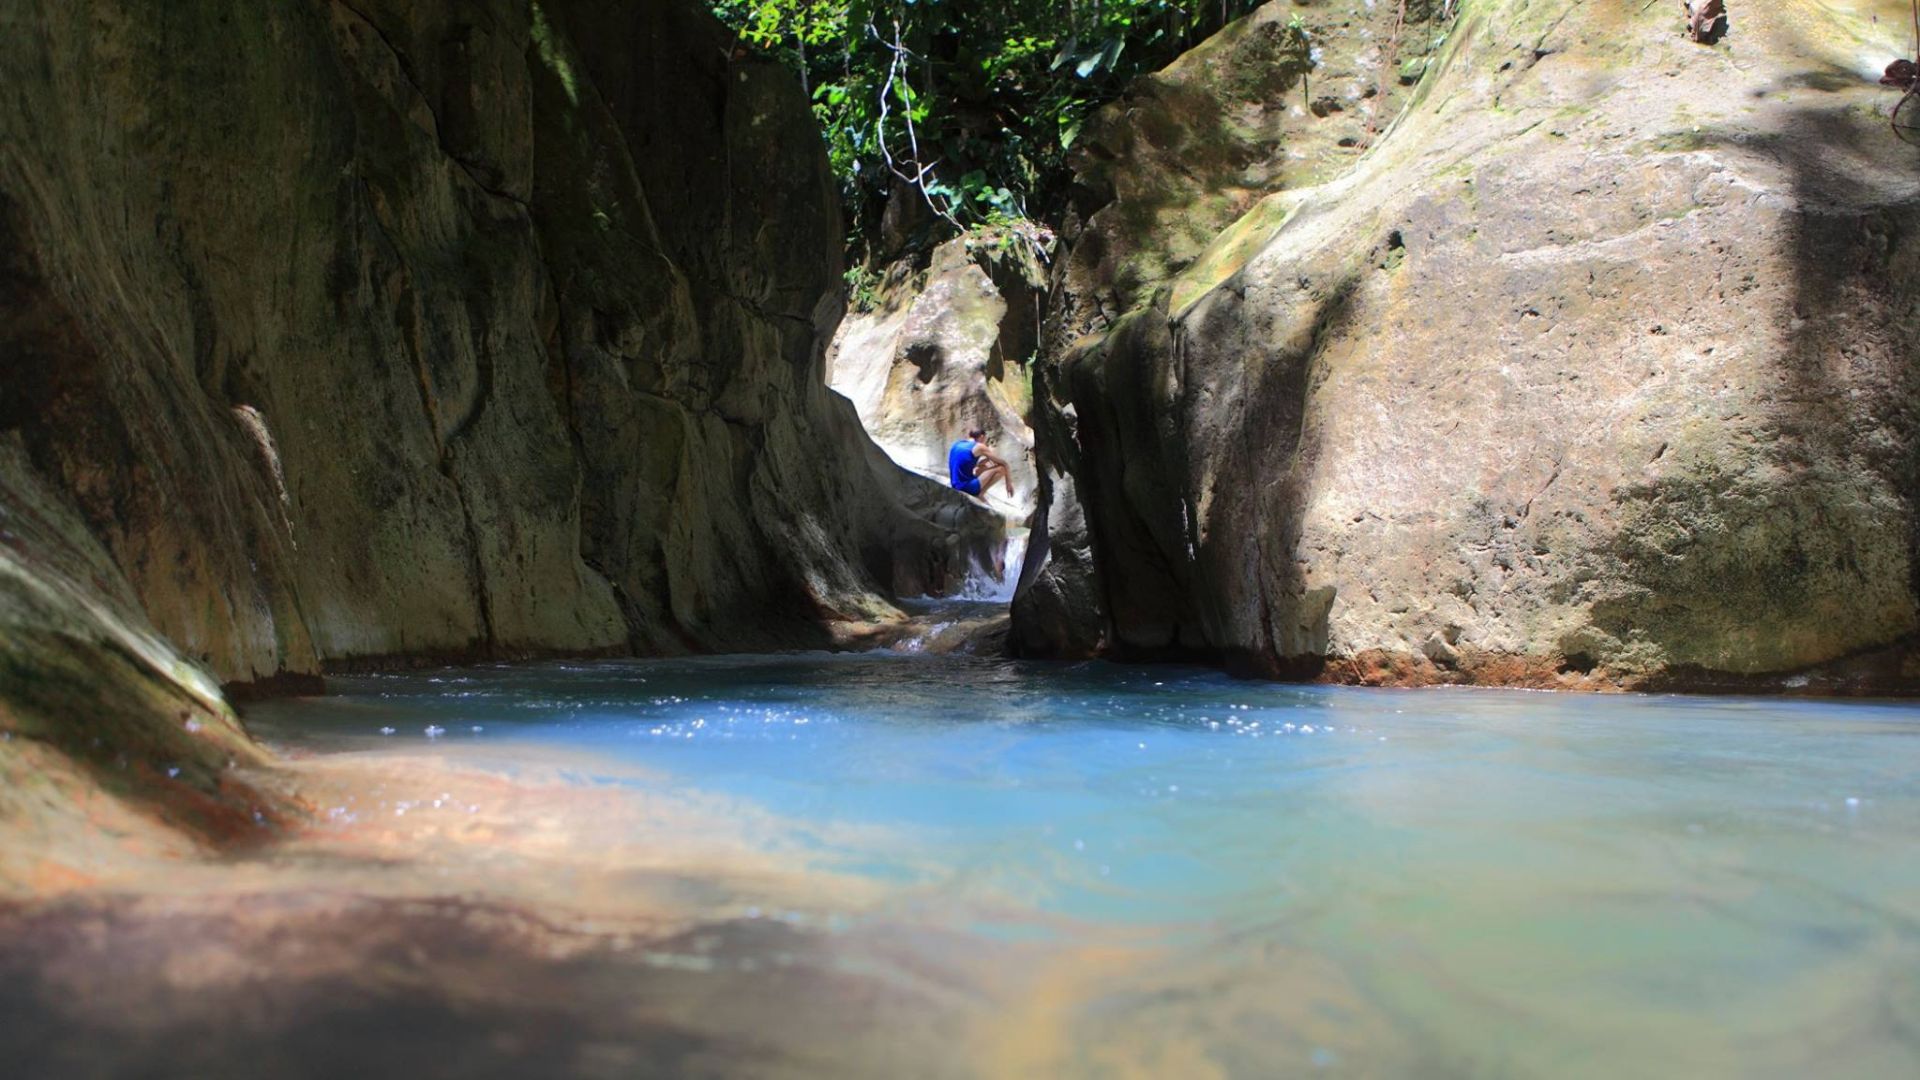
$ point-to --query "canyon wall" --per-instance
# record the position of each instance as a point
(1597, 369)
(357, 330)
(349, 332)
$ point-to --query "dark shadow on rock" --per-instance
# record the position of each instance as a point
(1058, 609)
(1162, 401)
(1854, 367)
(927, 360)
(1826, 78)
(1810, 550)
(1274, 464)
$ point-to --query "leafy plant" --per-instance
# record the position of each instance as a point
(863, 288)
(972, 104)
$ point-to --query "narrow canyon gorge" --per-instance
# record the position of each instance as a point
(346, 344)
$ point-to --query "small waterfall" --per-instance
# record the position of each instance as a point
(917, 642)
(986, 583)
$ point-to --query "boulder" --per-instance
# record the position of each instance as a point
(943, 348)
(111, 742)
(1596, 370)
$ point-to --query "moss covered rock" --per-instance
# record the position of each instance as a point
(1286, 97)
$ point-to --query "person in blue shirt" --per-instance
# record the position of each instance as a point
(973, 467)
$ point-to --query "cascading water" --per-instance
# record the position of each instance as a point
(952, 623)
(990, 584)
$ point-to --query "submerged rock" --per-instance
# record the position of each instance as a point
(111, 742)
(1598, 369)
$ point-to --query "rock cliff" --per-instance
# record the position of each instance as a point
(363, 329)
(1597, 369)
(354, 331)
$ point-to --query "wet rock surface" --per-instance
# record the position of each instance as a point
(1596, 371)
(552, 999)
(109, 738)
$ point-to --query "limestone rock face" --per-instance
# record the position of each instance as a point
(944, 348)
(1289, 96)
(1597, 370)
(1058, 609)
(379, 328)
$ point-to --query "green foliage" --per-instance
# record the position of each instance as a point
(863, 288)
(973, 103)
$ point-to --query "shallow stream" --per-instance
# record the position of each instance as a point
(945, 865)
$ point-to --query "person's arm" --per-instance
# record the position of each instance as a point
(980, 451)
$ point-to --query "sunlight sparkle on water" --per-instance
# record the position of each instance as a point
(1510, 882)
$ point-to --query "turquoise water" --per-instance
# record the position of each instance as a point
(1191, 875)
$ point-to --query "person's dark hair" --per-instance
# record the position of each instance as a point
(977, 433)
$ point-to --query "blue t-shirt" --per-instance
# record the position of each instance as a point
(960, 463)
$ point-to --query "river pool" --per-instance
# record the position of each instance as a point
(977, 867)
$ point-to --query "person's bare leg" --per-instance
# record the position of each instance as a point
(993, 474)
